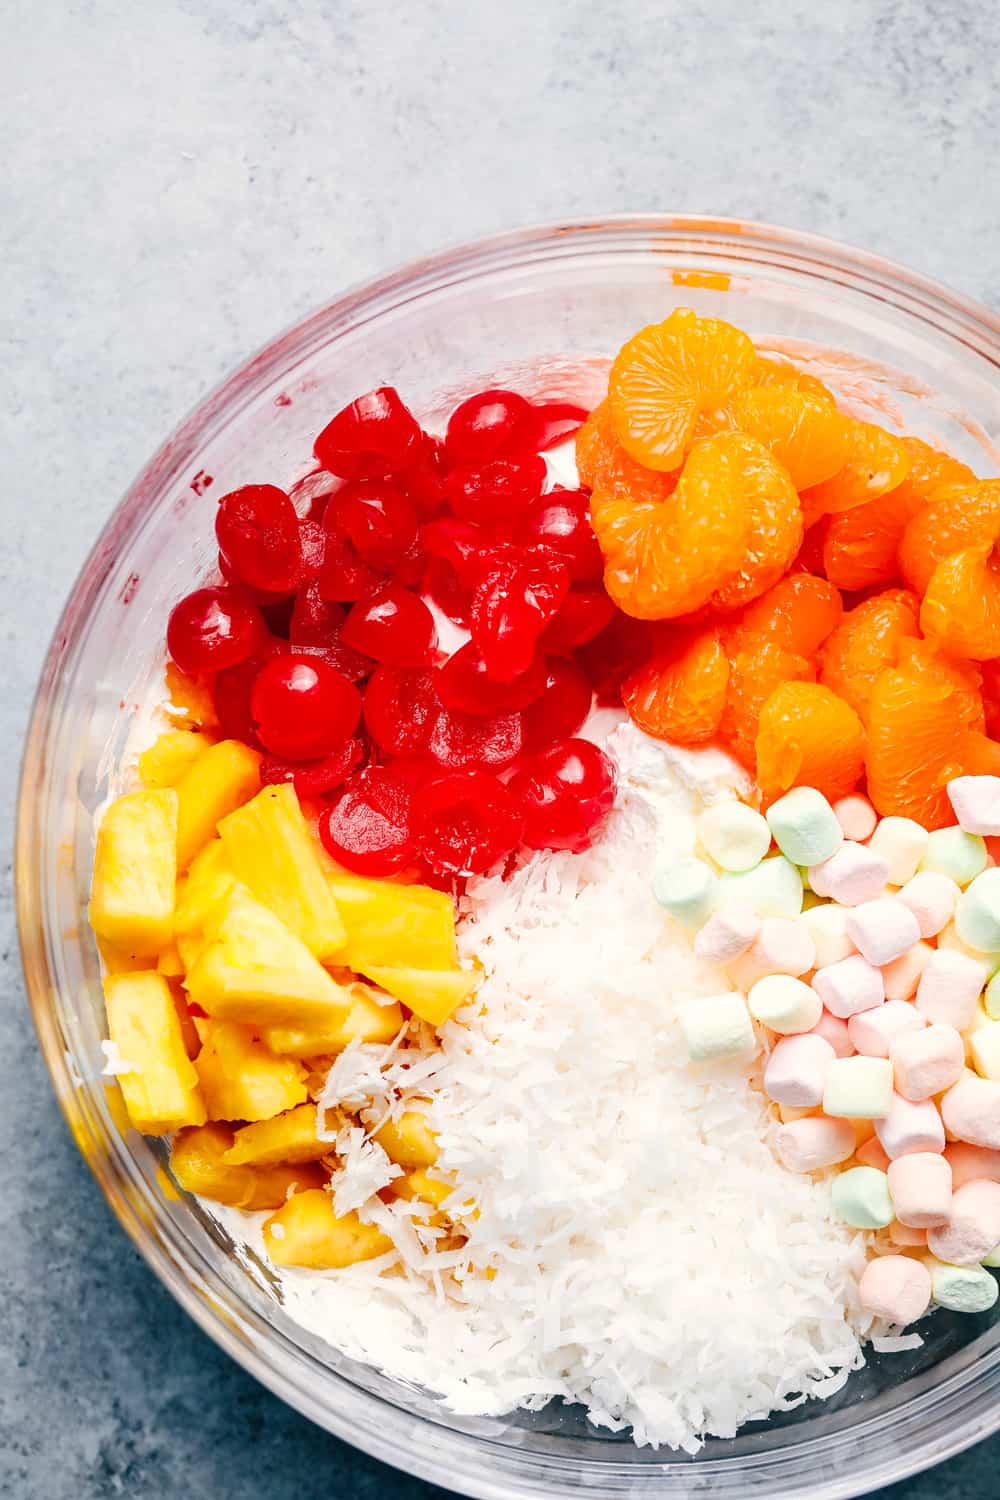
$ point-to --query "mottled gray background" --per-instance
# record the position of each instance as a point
(182, 179)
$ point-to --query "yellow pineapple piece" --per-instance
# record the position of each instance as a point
(189, 1031)
(391, 924)
(171, 755)
(408, 1141)
(364, 1021)
(161, 1091)
(169, 963)
(421, 1185)
(240, 1079)
(255, 971)
(208, 883)
(118, 961)
(221, 779)
(197, 1160)
(190, 699)
(189, 946)
(287, 1138)
(270, 849)
(307, 1232)
(135, 867)
(431, 994)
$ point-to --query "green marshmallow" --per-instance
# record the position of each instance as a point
(977, 915)
(964, 1289)
(773, 889)
(991, 998)
(950, 851)
(993, 1259)
(805, 826)
(687, 890)
(862, 1199)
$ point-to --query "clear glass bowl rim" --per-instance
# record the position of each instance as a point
(947, 1415)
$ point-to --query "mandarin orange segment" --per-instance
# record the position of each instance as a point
(667, 374)
(666, 558)
(861, 545)
(877, 462)
(768, 371)
(680, 695)
(603, 463)
(808, 736)
(805, 432)
(774, 520)
(955, 517)
(755, 671)
(961, 608)
(867, 640)
(991, 696)
(798, 613)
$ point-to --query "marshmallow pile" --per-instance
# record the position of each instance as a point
(865, 953)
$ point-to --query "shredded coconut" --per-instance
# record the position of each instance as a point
(115, 1066)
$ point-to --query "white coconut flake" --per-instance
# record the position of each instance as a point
(115, 1066)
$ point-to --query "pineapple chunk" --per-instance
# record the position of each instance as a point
(421, 1185)
(161, 1093)
(169, 962)
(191, 700)
(307, 1232)
(287, 1138)
(135, 867)
(189, 1031)
(408, 925)
(255, 971)
(209, 881)
(409, 1141)
(117, 961)
(270, 849)
(197, 1160)
(221, 779)
(431, 994)
(190, 946)
(241, 1080)
(171, 755)
(364, 1021)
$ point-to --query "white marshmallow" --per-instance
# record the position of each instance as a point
(902, 976)
(872, 1032)
(909, 1127)
(920, 1185)
(896, 1288)
(963, 1289)
(727, 934)
(976, 800)
(796, 1070)
(901, 843)
(804, 826)
(932, 898)
(953, 852)
(716, 1027)
(882, 930)
(984, 1045)
(686, 889)
(850, 986)
(949, 988)
(858, 1088)
(827, 926)
(812, 1144)
(784, 1004)
(850, 876)
(927, 1062)
(973, 1226)
(971, 1110)
(834, 1030)
(783, 945)
(734, 835)
(856, 816)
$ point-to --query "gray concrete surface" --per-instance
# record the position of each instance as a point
(179, 181)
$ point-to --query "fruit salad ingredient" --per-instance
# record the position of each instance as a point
(680, 695)
(566, 792)
(302, 708)
(368, 828)
(807, 736)
(213, 628)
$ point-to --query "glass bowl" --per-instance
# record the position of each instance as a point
(540, 308)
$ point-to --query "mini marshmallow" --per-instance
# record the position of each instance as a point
(969, 1163)
(993, 1259)
(735, 836)
(784, 1004)
(902, 843)
(949, 988)
(856, 816)
(796, 1070)
(860, 1197)
(902, 1234)
(850, 986)
(901, 977)
(783, 945)
(991, 999)
(948, 938)
(827, 926)
(772, 889)
(716, 1027)
(872, 1032)
(858, 1088)
(977, 915)
(950, 851)
(882, 930)
(850, 876)
(834, 1030)
(932, 898)
(812, 1144)
(896, 1288)
(976, 800)
(871, 1154)
(726, 935)
(984, 1045)
(909, 1127)
(963, 1289)
(973, 1226)
(687, 890)
(926, 1062)
(971, 1109)
(804, 826)
(920, 1185)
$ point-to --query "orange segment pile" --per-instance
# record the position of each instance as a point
(734, 498)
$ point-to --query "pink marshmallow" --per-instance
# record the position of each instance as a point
(910, 1127)
(932, 898)
(902, 976)
(816, 1142)
(950, 987)
(796, 1070)
(782, 946)
(971, 1109)
(896, 1288)
(902, 1234)
(850, 986)
(727, 934)
(856, 816)
(973, 1227)
(976, 800)
(834, 1030)
(926, 1062)
(882, 930)
(920, 1185)
(871, 1154)
(852, 875)
(873, 1031)
(970, 1163)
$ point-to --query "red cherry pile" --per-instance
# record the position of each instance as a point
(322, 651)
